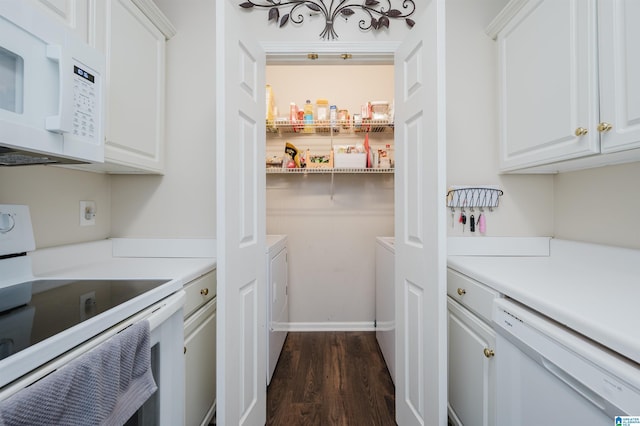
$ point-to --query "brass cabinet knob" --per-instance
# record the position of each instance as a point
(488, 352)
(204, 291)
(462, 291)
(604, 127)
(581, 131)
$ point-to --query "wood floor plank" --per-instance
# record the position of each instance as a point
(331, 378)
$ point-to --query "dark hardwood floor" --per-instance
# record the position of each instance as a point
(331, 378)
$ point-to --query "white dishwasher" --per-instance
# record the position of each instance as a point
(549, 375)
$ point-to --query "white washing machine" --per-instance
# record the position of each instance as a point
(277, 299)
(385, 301)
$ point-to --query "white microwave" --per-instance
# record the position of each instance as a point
(51, 91)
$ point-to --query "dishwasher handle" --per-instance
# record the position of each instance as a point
(577, 386)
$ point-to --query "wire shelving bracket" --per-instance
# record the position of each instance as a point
(470, 197)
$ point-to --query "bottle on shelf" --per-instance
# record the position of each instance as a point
(271, 108)
(293, 117)
(333, 117)
(271, 116)
(308, 117)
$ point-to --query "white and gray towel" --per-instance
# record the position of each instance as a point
(105, 386)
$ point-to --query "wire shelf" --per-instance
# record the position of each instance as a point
(279, 170)
(323, 127)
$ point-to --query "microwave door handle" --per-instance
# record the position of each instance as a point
(61, 123)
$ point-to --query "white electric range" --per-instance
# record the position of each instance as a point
(48, 321)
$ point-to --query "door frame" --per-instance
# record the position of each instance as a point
(362, 51)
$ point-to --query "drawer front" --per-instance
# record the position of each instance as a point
(199, 292)
(470, 293)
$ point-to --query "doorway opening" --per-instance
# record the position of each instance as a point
(331, 216)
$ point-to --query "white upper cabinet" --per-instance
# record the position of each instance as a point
(76, 14)
(569, 84)
(133, 35)
(619, 50)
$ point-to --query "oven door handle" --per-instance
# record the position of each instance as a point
(165, 309)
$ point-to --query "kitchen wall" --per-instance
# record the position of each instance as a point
(53, 195)
(526, 208)
(180, 204)
(599, 205)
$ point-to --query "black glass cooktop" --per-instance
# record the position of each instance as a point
(36, 310)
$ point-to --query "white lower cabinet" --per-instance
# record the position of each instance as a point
(200, 350)
(471, 371)
(471, 355)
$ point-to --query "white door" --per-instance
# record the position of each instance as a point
(241, 229)
(420, 227)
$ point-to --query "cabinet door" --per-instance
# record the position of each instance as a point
(72, 13)
(200, 365)
(548, 83)
(136, 79)
(619, 50)
(471, 371)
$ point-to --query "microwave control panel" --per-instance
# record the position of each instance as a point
(85, 105)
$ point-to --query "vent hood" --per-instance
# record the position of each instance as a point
(17, 157)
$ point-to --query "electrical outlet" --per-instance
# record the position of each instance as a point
(87, 305)
(87, 213)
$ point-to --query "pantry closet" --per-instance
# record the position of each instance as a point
(331, 216)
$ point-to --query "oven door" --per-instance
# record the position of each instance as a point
(166, 405)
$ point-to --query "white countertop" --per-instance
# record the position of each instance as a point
(592, 289)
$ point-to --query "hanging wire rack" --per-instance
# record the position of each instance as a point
(462, 197)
